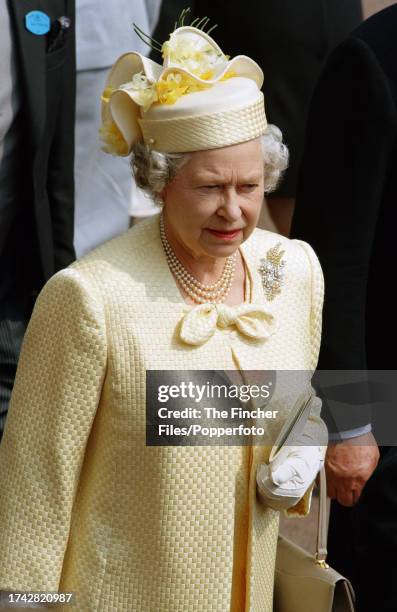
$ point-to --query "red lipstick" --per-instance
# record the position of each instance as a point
(225, 235)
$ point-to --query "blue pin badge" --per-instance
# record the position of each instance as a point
(37, 23)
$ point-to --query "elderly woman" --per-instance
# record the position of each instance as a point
(86, 507)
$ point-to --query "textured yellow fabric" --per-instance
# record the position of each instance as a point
(85, 506)
(198, 325)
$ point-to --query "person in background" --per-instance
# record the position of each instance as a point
(37, 113)
(291, 41)
(153, 11)
(346, 209)
(105, 195)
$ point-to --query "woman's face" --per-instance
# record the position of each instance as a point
(213, 203)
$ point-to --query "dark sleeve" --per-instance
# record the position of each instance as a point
(61, 93)
(349, 140)
(348, 144)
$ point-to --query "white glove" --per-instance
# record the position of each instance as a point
(284, 482)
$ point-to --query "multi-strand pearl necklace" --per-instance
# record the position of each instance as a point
(199, 292)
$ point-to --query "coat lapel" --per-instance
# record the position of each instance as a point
(32, 62)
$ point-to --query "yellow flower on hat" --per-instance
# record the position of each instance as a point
(109, 133)
(106, 94)
(175, 85)
(113, 141)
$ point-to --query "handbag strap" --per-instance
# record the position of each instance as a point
(322, 531)
(291, 429)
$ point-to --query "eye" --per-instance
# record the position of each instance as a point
(249, 186)
(210, 187)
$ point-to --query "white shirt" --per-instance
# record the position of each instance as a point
(104, 31)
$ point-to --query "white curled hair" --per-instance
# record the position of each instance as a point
(154, 170)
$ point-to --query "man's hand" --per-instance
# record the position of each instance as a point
(348, 465)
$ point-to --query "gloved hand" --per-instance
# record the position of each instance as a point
(283, 482)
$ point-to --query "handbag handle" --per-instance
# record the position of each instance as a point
(322, 531)
(292, 428)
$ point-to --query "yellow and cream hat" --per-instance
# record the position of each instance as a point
(198, 99)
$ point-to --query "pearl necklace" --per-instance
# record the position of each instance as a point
(199, 292)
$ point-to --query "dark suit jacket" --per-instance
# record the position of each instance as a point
(289, 39)
(347, 195)
(42, 240)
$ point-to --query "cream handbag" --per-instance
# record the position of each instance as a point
(306, 583)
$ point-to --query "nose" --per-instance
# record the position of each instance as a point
(230, 207)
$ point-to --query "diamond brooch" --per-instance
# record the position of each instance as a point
(272, 271)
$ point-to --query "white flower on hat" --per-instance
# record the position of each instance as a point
(189, 50)
(144, 92)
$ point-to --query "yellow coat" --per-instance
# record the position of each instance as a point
(85, 506)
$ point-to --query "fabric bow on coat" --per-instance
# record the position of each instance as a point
(251, 320)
